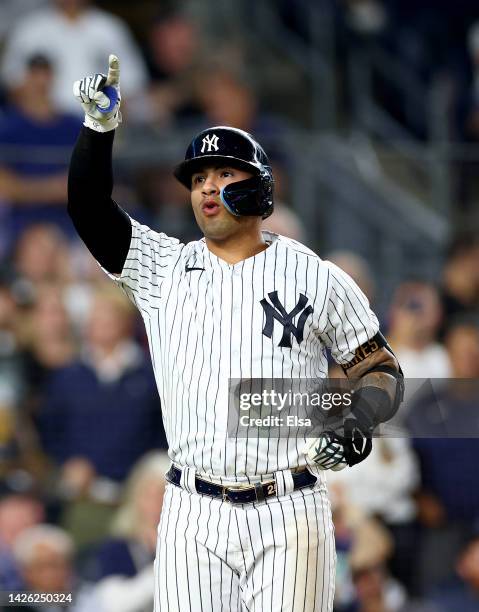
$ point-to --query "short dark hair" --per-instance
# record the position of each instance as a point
(462, 242)
(39, 60)
(464, 319)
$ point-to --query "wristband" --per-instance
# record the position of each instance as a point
(105, 125)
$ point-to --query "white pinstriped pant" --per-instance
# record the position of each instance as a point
(277, 555)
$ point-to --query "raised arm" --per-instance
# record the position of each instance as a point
(102, 225)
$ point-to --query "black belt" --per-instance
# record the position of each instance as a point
(244, 495)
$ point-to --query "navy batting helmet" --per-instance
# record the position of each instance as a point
(253, 196)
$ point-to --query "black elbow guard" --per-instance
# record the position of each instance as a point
(399, 376)
(372, 405)
(369, 406)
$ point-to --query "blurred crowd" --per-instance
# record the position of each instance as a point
(82, 446)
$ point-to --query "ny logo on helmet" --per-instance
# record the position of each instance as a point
(276, 310)
(210, 141)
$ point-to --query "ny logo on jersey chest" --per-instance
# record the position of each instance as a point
(210, 141)
(276, 311)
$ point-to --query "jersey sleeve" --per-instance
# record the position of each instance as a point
(150, 259)
(348, 321)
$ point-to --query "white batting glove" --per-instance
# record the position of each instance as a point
(100, 98)
(326, 452)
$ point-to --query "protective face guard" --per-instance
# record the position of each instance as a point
(251, 197)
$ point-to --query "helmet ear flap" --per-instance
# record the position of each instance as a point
(267, 191)
(251, 197)
(242, 197)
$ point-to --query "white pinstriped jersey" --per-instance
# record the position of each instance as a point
(205, 323)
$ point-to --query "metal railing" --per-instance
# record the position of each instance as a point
(427, 165)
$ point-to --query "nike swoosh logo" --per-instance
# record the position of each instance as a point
(188, 269)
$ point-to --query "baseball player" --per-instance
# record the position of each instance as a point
(246, 523)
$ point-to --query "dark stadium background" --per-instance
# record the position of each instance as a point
(369, 110)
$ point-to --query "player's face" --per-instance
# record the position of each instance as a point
(214, 220)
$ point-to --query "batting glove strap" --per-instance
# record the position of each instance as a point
(333, 451)
(357, 442)
(106, 125)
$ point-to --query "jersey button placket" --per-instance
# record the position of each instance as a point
(236, 312)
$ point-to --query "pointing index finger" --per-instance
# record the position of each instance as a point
(113, 77)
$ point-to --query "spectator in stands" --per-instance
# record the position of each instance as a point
(76, 37)
(460, 289)
(357, 268)
(414, 320)
(227, 99)
(18, 512)
(50, 332)
(35, 144)
(364, 583)
(101, 413)
(41, 257)
(462, 591)
(233, 101)
(286, 222)
(345, 517)
(365, 17)
(462, 343)
(48, 339)
(173, 54)
(443, 422)
(43, 283)
(12, 10)
(17, 436)
(375, 589)
(45, 556)
(11, 375)
(384, 487)
(123, 565)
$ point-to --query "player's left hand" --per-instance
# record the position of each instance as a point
(333, 451)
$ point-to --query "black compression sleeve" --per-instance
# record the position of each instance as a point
(102, 225)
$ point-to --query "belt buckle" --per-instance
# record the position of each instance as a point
(259, 492)
(257, 487)
(226, 490)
